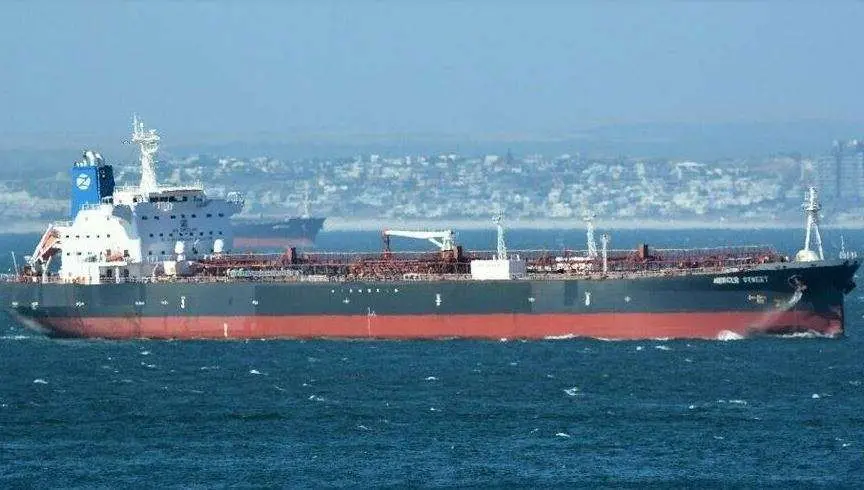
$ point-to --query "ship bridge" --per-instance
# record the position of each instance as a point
(136, 231)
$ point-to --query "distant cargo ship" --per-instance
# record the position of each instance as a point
(262, 233)
(157, 261)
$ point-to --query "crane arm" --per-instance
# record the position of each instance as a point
(444, 240)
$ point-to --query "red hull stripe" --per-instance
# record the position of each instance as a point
(711, 325)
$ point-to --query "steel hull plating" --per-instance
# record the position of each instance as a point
(773, 299)
(290, 232)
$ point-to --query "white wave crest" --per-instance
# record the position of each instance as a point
(727, 335)
(810, 334)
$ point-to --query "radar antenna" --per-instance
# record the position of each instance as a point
(148, 142)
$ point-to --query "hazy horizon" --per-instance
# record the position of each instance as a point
(221, 72)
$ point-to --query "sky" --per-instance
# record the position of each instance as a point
(229, 70)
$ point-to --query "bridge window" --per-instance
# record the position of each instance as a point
(221, 215)
(155, 217)
(161, 234)
(173, 216)
(151, 235)
(194, 216)
(209, 215)
(143, 217)
(185, 198)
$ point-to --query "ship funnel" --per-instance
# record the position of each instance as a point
(811, 213)
(92, 180)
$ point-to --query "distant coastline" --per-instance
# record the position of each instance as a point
(373, 224)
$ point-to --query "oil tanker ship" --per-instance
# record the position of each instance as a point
(153, 261)
(277, 233)
(284, 233)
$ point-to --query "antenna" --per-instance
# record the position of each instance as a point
(14, 262)
(502, 246)
(148, 142)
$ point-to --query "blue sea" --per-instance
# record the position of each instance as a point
(763, 412)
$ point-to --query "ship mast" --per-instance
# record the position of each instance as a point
(306, 200)
(811, 211)
(604, 239)
(502, 247)
(589, 230)
(148, 142)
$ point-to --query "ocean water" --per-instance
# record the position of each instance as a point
(763, 412)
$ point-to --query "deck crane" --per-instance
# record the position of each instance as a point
(445, 240)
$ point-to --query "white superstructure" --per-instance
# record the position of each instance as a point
(139, 232)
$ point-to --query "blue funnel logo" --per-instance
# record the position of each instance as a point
(83, 182)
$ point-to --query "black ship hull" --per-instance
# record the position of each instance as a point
(275, 234)
(782, 298)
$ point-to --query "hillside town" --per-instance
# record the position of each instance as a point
(524, 188)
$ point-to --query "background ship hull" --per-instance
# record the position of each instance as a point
(760, 301)
(290, 232)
